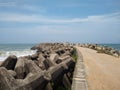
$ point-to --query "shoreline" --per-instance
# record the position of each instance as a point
(101, 69)
(52, 66)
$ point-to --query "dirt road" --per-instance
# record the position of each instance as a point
(102, 70)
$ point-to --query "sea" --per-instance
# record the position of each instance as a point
(115, 46)
(24, 49)
(15, 49)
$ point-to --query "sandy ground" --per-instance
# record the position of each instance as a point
(102, 70)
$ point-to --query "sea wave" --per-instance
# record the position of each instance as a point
(5, 54)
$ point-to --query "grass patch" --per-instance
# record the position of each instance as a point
(60, 87)
(105, 52)
(63, 88)
(100, 51)
(74, 54)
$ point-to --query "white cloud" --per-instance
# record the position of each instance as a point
(84, 32)
(21, 5)
(33, 8)
(7, 4)
(12, 17)
(113, 17)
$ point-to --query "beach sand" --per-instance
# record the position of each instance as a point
(102, 70)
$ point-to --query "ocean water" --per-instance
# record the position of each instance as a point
(24, 49)
(115, 46)
(15, 49)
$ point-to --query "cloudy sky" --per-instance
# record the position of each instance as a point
(84, 21)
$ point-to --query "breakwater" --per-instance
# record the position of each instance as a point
(50, 68)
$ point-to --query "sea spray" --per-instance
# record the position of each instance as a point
(15, 49)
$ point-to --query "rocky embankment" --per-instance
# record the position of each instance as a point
(102, 49)
(50, 68)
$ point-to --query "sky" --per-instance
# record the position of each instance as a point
(78, 21)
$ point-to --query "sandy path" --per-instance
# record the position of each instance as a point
(102, 71)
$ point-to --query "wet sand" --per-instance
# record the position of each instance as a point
(102, 70)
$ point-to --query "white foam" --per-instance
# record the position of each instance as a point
(5, 54)
(2, 58)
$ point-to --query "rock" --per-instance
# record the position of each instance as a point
(48, 63)
(7, 82)
(114, 53)
(102, 49)
(56, 72)
(40, 62)
(71, 49)
(20, 68)
(27, 57)
(58, 61)
(34, 56)
(41, 58)
(33, 82)
(119, 53)
(66, 81)
(45, 55)
(47, 69)
(10, 62)
(60, 51)
(68, 64)
(91, 46)
(37, 47)
(32, 67)
(1, 62)
(49, 87)
(67, 53)
(54, 57)
(99, 48)
(63, 58)
(13, 73)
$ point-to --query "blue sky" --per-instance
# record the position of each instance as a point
(84, 21)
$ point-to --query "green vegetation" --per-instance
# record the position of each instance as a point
(103, 51)
(100, 51)
(62, 88)
(52, 83)
(74, 55)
